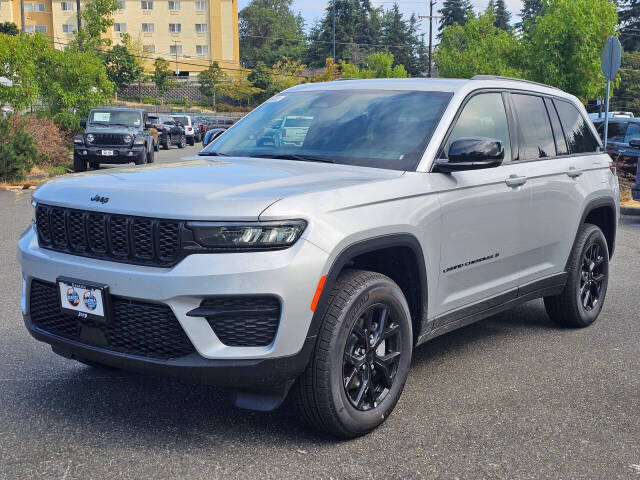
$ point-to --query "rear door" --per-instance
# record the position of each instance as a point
(557, 154)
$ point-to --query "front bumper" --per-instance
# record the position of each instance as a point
(120, 155)
(291, 274)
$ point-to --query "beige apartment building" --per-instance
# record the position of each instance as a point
(188, 33)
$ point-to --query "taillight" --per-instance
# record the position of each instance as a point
(612, 167)
(284, 133)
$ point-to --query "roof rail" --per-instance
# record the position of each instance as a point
(498, 77)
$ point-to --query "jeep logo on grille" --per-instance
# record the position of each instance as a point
(98, 198)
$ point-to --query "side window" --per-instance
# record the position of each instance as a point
(483, 116)
(536, 136)
(580, 139)
(558, 134)
(633, 132)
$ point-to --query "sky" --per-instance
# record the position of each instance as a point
(313, 9)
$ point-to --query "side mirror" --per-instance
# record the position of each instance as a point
(472, 153)
(635, 143)
(83, 123)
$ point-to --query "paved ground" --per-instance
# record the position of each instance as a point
(510, 397)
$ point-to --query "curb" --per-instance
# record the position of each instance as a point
(631, 211)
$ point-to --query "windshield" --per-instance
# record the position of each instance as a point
(374, 128)
(115, 117)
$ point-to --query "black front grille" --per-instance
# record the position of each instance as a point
(249, 321)
(123, 238)
(136, 328)
(109, 139)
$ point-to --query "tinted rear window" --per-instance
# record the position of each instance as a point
(182, 120)
(536, 136)
(580, 139)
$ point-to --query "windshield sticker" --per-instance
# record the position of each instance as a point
(101, 116)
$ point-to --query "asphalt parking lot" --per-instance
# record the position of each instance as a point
(510, 397)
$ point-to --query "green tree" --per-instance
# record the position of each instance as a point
(503, 17)
(566, 42)
(629, 19)
(9, 28)
(240, 88)
(96, 17)
(18, 149)
(530, 10)
(18, 85)
(379, 65)
(269, 31)
(285, 74)
(402, 38)
(212, 82)
(478, 47)
(122, 67)
(626, 95)
(260, 77)
(161, 76)
(454, 12)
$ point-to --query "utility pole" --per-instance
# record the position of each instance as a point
(334, 31)
(78, 13)
(22, 15)
(431, 16)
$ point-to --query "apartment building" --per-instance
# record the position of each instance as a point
(188, 33)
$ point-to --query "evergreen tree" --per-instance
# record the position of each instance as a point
(629, 22)
(530, 10)
(454, 11)
(402, 40)
(503, 17)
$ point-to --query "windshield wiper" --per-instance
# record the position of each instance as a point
(293, 156)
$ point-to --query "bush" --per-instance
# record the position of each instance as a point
(52, 144)
(68, 123)
(18, 149)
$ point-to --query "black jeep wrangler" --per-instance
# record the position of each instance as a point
(113, 135)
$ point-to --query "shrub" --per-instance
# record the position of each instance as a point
(68, 123)
(50, 140)
(18, 149)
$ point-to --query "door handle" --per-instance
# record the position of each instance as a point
(515, 181)
(574, 173)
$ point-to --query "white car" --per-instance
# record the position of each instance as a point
(411, 208)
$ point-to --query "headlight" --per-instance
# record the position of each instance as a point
(139, 141)
(90, 138)
(127, 139)
(78, 140)
(247, 236)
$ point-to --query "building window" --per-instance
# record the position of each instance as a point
(147, 4)
(174, 4)
(68, 28)
(29, 28)
(149, 48)
(34, 7)
(175, 49)
(175, 27)
(202, 49)
(201, 4)
(148, 28)
(121, 4)
(202, 28)
(67, 6)
(41, 28)
(120, 27)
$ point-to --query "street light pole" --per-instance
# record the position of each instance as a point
(334, 31)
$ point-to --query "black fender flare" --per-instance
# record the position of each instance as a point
(366, 246)
(599, 203)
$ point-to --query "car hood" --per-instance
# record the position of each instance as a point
(202, 189)
(110, 130)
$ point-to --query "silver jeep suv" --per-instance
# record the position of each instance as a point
(410, 208)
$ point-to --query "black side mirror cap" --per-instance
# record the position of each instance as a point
(83, 123)
(472, 153)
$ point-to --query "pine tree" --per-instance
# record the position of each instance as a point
(503, 17)
(530, 10)
(454, 11)
(629, 21)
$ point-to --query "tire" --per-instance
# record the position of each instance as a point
(165, 145)
(331, 395)
(95, 165)
(183, 142)
(150, 156)
(191, 141)
(79, 164)
(142, 159)
(583, 296)
(156, 147)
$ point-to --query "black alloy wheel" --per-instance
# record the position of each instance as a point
(592, 276)
(371, 357)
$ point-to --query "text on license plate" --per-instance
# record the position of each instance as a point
(107, 153)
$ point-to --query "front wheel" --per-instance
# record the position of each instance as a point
(583, 296)
(150, 156)
(79, 163)
(361, 358)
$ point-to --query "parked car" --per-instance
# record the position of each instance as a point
(191, 128)
(623, 144)
(412, 207)
(271, 134)
(600, 115)
(113, 135)
(212, 134)
(170, 133)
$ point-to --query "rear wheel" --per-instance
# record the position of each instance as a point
(165, 144)
(583, 296)
(191, 141)
(156, 147)
(150, 156)
(79, 163)
(361, 359)
(183, 142)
